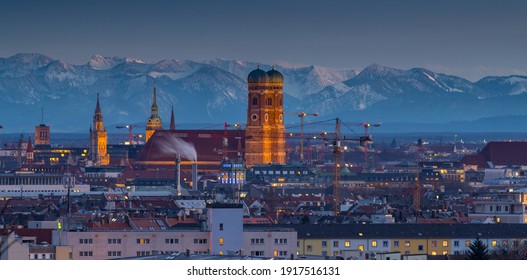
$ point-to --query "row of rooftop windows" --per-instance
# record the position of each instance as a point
(263, 87)
(9, 181)
(278, 172)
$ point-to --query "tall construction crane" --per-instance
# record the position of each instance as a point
(337, 152)
(364, 145)
(309, 137)
(417, 197)
(301, 115)
(130, 128)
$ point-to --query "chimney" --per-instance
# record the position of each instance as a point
(178, 174)
(195, 176)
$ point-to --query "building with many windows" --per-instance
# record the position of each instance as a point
(222, 233)
(265, 132)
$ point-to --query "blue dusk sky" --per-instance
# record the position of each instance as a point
(471, 39)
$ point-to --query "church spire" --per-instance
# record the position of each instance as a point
(98, 138)
(97, 116)
(154, 121)
(97, 107)
(172, 121)
(154, 103)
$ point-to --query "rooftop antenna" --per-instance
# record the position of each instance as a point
(42, 115)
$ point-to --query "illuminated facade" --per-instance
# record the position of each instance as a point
(154, 121)
(42, 135)
(98, 139)
(265, 132)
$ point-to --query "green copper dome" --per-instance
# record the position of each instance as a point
(257, 76)
(275, 76)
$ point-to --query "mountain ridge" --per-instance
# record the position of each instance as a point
(216, 90)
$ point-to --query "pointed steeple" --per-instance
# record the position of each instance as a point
(29, 152)
(154, 121)
(172, 121)
(97, 116)
(154, 102)
(29, 148)
(97, 107)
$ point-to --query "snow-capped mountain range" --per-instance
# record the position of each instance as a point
(215, 91)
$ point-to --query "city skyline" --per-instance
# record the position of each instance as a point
(470, 39)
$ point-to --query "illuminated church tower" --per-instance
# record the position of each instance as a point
(98, 139)
(42, 133)
(154, 122)
(265, 132)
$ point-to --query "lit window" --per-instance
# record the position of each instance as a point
(221, 253)
(374, 243)
(361, 248)
(407, 243)
(275, 253)
(445, 253)
(445, 243)
(467, 243)
(221, 241)
(434, 253)
(493, 243)
(346, 243)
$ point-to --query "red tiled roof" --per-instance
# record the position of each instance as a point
(505, 153)
(257, 221)
(478, 160)
(208, 144)
(176, 221)
(42, 235)
(148, 223)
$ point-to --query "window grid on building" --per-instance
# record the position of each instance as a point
(257, 241)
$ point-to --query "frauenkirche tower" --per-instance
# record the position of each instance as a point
(265, 132)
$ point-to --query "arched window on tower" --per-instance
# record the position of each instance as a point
(269, 101)
(255, 101)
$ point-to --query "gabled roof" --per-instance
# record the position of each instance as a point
(478, 160)
(505, 153)
(208, 144)
(148, 224)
